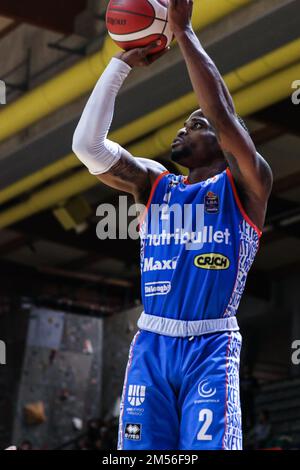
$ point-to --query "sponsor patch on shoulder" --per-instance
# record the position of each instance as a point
(211, 203)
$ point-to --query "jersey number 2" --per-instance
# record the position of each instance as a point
(205, 415)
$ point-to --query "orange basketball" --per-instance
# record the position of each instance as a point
(133, 23)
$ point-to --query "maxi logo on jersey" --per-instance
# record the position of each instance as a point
(166, 264)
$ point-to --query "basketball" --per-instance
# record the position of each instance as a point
(134, 24)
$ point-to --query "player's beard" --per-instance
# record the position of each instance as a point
(180, 152)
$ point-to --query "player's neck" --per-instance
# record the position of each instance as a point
(204, 172)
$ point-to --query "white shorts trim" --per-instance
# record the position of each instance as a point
(181, 328)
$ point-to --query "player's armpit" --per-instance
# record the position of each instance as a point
(255, 177)
(249, 169)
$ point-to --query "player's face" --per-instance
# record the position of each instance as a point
(195, 142)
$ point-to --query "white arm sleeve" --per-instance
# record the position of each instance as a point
(90, 142)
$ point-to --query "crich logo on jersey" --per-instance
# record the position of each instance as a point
(211, 261)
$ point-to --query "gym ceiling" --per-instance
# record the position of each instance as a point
(256, 45)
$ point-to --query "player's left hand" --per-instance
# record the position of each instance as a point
(180, 15)
(141, 56)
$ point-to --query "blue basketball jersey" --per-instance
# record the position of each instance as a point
(197, 246)
(181, 388)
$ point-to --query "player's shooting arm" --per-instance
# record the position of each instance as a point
(250, 171)
(107, 160)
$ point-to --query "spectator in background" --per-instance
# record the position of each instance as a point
(93, 430)
(82, 444)
(260, 434)
(101, 435)
(26, 445)
(112, 434)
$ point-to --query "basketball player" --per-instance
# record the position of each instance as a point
(181, 387)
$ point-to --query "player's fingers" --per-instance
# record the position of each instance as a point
(156, 56)
(144, 51)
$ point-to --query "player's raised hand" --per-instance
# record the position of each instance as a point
(141, 56)
(180, 15)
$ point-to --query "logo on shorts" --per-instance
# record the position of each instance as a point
(211, 261)
(136, 394)
(133, 431)
(157, 288)
(204, 389)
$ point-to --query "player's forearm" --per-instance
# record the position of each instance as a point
(213, 96)
(90, 141)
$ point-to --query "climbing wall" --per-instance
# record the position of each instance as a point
(119, 330)
(61, 378)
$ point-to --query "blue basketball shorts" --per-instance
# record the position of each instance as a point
(182, 393)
